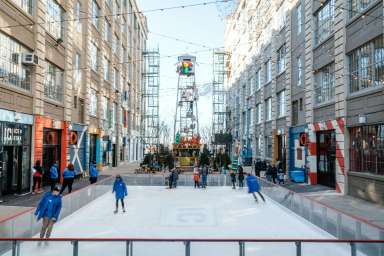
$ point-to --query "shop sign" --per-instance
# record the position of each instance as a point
(11, 134)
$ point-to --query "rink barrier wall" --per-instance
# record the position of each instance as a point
(129, 243)
(24, 225)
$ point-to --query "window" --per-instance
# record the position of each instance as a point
(115, 78)
(258, 79)
(26, 5)
(259, 144)
(268, 146)
(358, 6)
(93, 103)
(121, 116)
(299, 71)
(367, 149)
(295, 113)
(258, 113)
(12, 71)
(299, 19)
(268, 109)
(95, 14)
(76, 13)
(114, 115)
(94, 55)
(281, 59)
(281, 104)
(366, 65)
(325, 84)
(77, 68)
(107, 31)
(53, 86)
(106, 67)
(268, 71)
(104, 104)
(114, 43)
(324, 20)
(54, 19)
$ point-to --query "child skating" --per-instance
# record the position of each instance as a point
(120, 190)
(254, 186)
(196, 178)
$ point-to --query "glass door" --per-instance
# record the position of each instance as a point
(326, 158)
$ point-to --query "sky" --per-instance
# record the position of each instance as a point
(201, 25)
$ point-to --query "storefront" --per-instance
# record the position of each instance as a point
(51, 142)
(297, 151)
(15, 152)
(78, 137)
(326, 154)
(366, 162)
(106, 148)
(94, 144)
(281, 149)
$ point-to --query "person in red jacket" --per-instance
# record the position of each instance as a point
(196, 178)
(37, 177)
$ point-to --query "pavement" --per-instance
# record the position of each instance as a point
(13, 205)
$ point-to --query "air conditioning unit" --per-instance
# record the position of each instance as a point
(30, 59)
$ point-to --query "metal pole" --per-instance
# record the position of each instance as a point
(75, 248)
(353, 249)
(127, 247)
(241, 249)
(187, 248)
(298, 248)
(131, 249)
(14, 247)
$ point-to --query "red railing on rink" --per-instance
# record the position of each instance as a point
(187, 243)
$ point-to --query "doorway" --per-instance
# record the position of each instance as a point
(114, 155)
(92, 148)
(12, 169)
(51, 152)
(326, 158)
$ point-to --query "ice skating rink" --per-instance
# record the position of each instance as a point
(156, 212)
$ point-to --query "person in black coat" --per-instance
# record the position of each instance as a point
(241, 176)
(274, 173)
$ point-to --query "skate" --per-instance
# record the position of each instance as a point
(115, 211)
(123, 209)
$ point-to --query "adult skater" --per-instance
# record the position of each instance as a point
(280, 175)
(93, 173)
(68, 178)
(254, 186)
(54, 175)
(196, 177)
(240, 176)
(37, 177)
(274, 173)
(204, 176)
(120, 190)
(175, 177)
(170, 179)
(48, 209)
(233, 178)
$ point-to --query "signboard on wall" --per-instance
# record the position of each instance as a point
(12, 133)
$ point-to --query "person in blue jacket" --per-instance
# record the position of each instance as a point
(49, 209)
(93, 173)
(54, 175)
(120, 190)
(68, 178)
(254, 186)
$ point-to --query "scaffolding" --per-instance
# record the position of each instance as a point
(219, 112)
(186, 120)
(150, 101)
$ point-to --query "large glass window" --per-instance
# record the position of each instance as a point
(94, 55)
(268, 146)
(54, 19)
(358, 6)
(299, 18)
(268, 71)
(325, 84)
(114, 115)
(12, 71)
(93, 103)
(76, 14)
(281, 104)
(104, 103)
(281, 59)
(268, 109)
(367, 65)
(95, 14)
(367, 149)
(26, 5)
(53, 86)
(258, 113)
(299, 71)
(295, 112)
(258, 79)
(77, 68)
(324, 20)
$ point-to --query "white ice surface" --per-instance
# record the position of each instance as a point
(156, 212)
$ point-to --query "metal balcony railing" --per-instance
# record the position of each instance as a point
(187, 244)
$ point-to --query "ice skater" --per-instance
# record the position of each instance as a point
(233, 178)
(280, 175)
(196, 177)
(120, 190)
(240, 176)
(48, 209)
(254, 186)
(93, 173)
(68, 178)
(204, 176)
